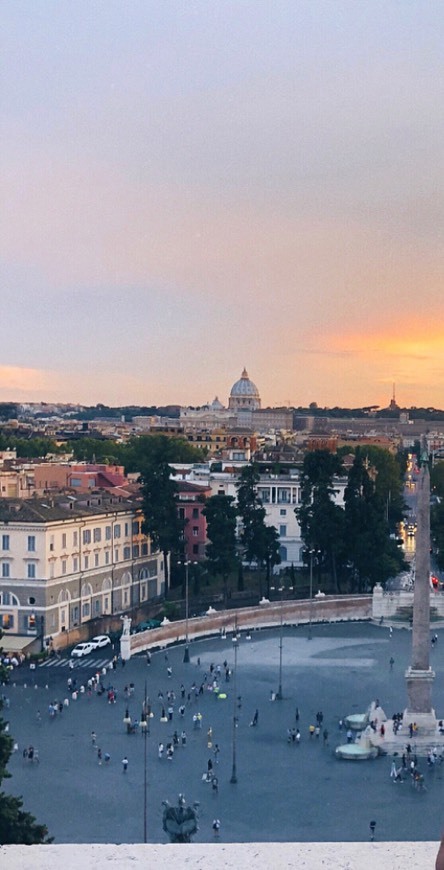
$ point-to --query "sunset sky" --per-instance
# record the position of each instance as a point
(189, 187)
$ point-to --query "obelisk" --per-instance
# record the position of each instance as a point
(419, 675)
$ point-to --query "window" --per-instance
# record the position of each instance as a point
(86, 537)
(108, 533)
(117, 530)
(181, 513)
(143, 592)
(127, 552)
(51, 543)
(97, 606)
(31, 571)
(144, 549)
(85, 608)
(86, 563)
(64, 541)
(63, 566)
(6, 621)
(136, 528)
(96, 560)
(107, 557)
(195, 531)
(97, 535)
(31, 544)
(283, 512)
(75, 564)
(126, 530)
(195, 549)
(116, 555)
(75, 539)
(125, 596)
(5, 542)
(195, 513)
(136, 551)
(5, 569)
(282, 531)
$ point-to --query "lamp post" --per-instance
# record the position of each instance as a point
(145, 729)
(313, 552)
(186, 655)
(233, 778)
(279, 694)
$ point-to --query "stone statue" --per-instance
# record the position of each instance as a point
(180, 822)
(126, 625)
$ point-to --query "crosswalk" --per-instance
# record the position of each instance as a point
(86, 662)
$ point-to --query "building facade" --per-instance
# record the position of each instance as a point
(67, 561)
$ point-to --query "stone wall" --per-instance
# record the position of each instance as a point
(398, 606)
(230, 856)
(267, 615)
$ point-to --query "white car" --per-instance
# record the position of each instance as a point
(100, 640)
(82, 649)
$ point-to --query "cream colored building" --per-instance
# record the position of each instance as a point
(66, 561)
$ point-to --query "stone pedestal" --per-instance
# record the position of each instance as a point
(419, 690)
(125, 647)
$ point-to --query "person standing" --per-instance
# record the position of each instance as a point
(372, 827)
(99, 756)
(124, 764)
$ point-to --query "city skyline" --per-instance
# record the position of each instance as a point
(190, 188)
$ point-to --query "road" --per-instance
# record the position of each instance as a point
(284, 792)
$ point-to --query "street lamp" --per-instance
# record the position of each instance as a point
(312, 552)
(233, 777)
(145, 729)
(279, 694)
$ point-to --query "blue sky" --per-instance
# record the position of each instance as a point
(191, 187)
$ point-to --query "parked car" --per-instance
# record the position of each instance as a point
(82, 649)
(100, 640)
(149, 623)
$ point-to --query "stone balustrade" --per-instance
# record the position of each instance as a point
(267, 615)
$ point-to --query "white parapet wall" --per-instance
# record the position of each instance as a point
(231, 856)
(331, 608)
(395, 606)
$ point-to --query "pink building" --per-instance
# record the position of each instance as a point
(81, 477)
(191, 500)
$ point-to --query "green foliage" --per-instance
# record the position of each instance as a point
(16, 825)
(252, 514)
(437, 479)
(321, 520)
(161, 520)
(372, 555)
(221, 555)
(137, 452)
(437, 532)
(28, 448)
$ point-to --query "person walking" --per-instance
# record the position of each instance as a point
(372, 827)
(216, 827)
(160, 751)
(255, 719)
(124, 764)
(99, 756)
(391, 662)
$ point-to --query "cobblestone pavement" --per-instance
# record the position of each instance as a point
(284, 791)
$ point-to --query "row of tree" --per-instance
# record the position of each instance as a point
(354, 543)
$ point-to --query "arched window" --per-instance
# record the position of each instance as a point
(64, 597)
(107, 584)
(8, 599)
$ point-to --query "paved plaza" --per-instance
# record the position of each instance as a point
(284, 791)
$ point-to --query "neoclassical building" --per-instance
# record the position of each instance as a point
(68, 560)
